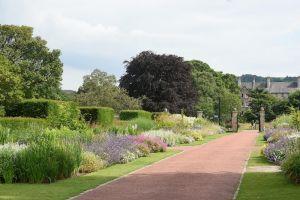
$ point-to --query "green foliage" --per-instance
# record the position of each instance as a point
(100, 89)
(22, 122)
(229, 102)
(99, 115)
(142, 124)
(296, 120)
(40, 69)
(47, 161)
(10, 82)
(90, 163)
(249, 116)
(281, 106)
(291, 167)
(163, 81)
(169, 137)
(261, 98)
(194, 134)
(2, 111)
(7, 159)
(212, 86)
(131, 114)
(294, 99)
(283, 121)
(57, 113)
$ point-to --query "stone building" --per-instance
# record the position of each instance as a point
(278, 89)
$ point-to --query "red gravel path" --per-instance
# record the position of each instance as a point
(211, 171)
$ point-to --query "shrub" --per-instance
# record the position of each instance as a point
(90, 163)
(296, 120)
(47, 161)
(143, 150)
(165, 120)
(169, 137)
(7, 161)
(291, 167)
(277, 152)
(58, 113)
(195, 134)
(155, 115)
(155, 144)
(2, 111)
(282, 121)
(113, 148)
(131, 114)
(4, 135)
(177, 121)
(128, 156)
(142, 124)
(273, 135)
(98, 115)
(23, 123)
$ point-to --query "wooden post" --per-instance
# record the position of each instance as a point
(234, 120)
(262, 119)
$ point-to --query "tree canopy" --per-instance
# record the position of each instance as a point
(39, 67)
(100, 89)
(294, 99)
(213, 86)
(10, 83)
(261, 98)
(165, 81)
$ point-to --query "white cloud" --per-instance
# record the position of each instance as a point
(249, 36)
(73, 77)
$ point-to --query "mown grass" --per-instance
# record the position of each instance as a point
(65, 189)
(266, 185)
(256, 158)
(206, 139)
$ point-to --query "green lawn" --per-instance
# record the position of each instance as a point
(71, 187)
(206, 139)
(256, 158)
(266, 186)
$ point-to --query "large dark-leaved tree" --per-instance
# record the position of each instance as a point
(39, 67)
(165, 81)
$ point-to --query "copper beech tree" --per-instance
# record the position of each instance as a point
(164, 81)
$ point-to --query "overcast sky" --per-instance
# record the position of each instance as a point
(235, 36)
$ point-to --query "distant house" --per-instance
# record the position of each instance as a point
(278, 89)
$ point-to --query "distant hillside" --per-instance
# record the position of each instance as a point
(249, 78)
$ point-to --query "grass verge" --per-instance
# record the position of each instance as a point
(65, 189)
(265, 185)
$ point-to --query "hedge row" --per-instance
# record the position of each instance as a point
(131, 114)
(22, 122)
(58, 113)
(98, 115)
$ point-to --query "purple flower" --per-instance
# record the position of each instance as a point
(276, 152)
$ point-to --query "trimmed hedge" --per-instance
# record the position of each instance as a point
(98, 115)
(131, 114)
(22, 122)
(58, 113)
